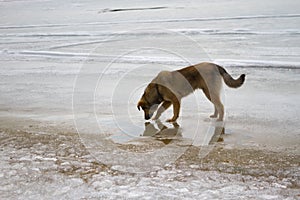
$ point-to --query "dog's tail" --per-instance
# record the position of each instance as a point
(233, 83)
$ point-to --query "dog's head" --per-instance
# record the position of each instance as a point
(147, 107)
(149, 101)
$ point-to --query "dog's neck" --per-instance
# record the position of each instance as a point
(157, 100)
(160, 97)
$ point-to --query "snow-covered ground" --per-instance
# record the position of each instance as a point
(44, 161)
(77, 68)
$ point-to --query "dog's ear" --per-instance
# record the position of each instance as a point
(140, 104)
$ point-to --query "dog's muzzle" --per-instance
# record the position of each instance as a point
(148, 116)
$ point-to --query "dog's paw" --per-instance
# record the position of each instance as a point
(171, 120)
(213, 116)
(219, 120)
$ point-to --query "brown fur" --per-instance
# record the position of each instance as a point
(169, 87)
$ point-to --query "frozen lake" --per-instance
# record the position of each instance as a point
(82, 66)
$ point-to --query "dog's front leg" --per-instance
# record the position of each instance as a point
(164, 106)
(176, 109)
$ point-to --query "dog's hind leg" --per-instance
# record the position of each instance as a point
(205, 91)
(218, 106)
(164, 106)
(215, 113)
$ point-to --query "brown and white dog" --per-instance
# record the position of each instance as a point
(169, 87)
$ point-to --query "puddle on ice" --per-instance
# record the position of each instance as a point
(203, 134)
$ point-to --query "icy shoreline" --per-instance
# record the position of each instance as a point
(54, 164)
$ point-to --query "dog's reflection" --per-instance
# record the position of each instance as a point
(168, 133)
(162, 130)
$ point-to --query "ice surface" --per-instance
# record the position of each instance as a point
(80, 67)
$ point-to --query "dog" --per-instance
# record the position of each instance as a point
(169, 87)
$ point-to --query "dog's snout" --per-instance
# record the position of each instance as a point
(147, 116)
